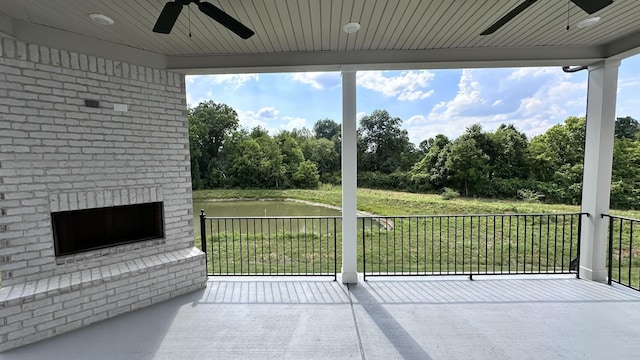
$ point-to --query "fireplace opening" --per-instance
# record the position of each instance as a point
(82, 230)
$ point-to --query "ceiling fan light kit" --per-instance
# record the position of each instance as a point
(171, 11)
(588, 22)
(588, 6)
(101, 19)
(351, 27)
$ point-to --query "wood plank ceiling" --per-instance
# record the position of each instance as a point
(315, 26)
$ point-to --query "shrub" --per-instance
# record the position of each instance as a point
(528, 195)
(449, 194)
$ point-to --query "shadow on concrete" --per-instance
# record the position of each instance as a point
(134, 335)
(402, 341)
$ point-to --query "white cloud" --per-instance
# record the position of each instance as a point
(293, 123)
(235, 80)
(318, 80)
(360, 115)
(466, 100)
(264, 117)
(269, 113)
(529, 72)
(193, 101)
(416, 119)
(407, 86)
(533, 99)
(269, 119)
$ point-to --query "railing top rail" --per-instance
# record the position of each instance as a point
(401, 216)
(619, 217)
(271, 217)
(469, 215)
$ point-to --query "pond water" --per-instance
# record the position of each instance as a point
(260, 208)
(256, 208)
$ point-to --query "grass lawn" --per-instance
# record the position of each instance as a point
(384, 202)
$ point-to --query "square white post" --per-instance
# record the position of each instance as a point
(598, 159)
(349, 178)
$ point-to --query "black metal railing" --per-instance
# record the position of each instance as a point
(623, 260)
(283, 246)
(471, 244)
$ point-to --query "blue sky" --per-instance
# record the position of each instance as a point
(429, 102)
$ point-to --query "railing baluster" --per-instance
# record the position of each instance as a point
(470, 247)
(621, 221)
(555, 244)
(408, 243)
(494, 244)
(510, 227)
(335, 250)
(630, 249)
(433, 242)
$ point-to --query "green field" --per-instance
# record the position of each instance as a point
(383, 202)
(416, 245)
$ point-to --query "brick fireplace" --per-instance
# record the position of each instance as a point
(93, 136)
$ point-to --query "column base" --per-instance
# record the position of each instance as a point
(593, 275)
(349, 277)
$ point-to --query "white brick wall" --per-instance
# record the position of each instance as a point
(56, 154)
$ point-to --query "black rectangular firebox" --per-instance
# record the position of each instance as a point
(82, 230)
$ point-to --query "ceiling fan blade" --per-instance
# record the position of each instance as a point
(167, 18)
(510, 15)
(225, 19)
(591, 6)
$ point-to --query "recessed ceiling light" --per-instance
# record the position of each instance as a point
(351, 27)
(588, 22)
(101, 19)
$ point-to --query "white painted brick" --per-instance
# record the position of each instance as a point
(34, 53)
(55, 57)
(84, 62)
(74, 60)
(45, 56)
(21, 50)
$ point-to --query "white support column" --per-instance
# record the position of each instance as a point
(598, 159)
(349, 178)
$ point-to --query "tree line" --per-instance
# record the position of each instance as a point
(503, 163)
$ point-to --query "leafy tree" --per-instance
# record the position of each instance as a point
(485, 142)
(625, 177)
(511, 158)
(626, 128)
(557, 159)
(292, 156)
(326, 128)
(209, 124)
(561, 146)
(467, 165)
(322, 152)
(427, 174)
(306, 176)
(384, 146)
(254, 162)
(241, 151)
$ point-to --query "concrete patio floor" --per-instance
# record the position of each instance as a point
(384, 318)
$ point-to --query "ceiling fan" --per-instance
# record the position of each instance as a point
(172, 9)
(589, 6)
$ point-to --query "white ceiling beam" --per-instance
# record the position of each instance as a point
(624, 47)
(388, 60)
